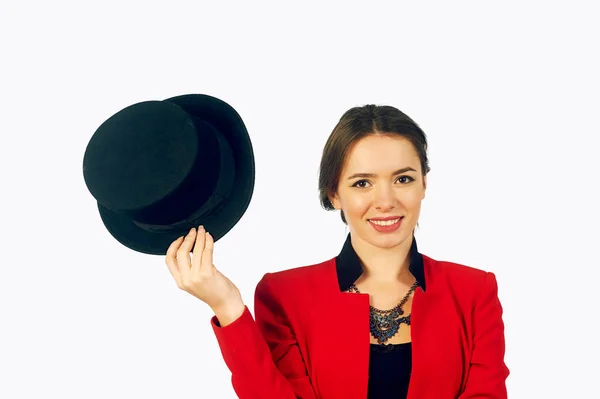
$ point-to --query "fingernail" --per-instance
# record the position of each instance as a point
(200, 228)
(191, 230)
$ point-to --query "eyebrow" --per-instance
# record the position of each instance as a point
(399, 171)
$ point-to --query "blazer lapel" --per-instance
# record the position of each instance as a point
(353, 348)
(419, 346)
(437, 337)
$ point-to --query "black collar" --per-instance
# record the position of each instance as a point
(349, 269)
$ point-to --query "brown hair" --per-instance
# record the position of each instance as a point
(359, 122)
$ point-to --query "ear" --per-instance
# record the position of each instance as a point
(335, 201)
(424, 185)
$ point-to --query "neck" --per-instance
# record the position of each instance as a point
(384, 264)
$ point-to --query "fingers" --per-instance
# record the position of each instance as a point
(183, 254)
(206, 264)
(198, 250)
(178, 256)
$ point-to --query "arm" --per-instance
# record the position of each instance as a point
(263, 355)
(487, 372)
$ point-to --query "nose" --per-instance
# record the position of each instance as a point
(384, 199)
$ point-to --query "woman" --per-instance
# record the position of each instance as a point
(380, 320)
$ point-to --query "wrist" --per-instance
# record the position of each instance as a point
(230, 311)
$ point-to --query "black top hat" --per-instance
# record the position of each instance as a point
(159, 168)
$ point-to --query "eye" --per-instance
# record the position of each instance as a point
(358, 184)
(409, 179)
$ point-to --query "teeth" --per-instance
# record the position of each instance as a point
(385, 222)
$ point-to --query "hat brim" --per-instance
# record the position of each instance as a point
(219, 222)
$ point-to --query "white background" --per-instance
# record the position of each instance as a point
(507, 93)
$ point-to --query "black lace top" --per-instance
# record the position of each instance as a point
(389, 371)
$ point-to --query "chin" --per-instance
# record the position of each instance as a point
(383, 241)
(390, 240)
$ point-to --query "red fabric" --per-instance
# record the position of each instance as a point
(311, 341)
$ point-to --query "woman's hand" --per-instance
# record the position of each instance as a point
(199, 277)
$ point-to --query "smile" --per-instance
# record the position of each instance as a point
(386, 226)
(385, 222)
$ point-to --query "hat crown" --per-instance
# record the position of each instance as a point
(140, 155)
(143, 156)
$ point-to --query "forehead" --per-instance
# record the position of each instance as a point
(381, 154)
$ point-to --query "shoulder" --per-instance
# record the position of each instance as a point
(460, 279)
(299, 277)
(452, 270)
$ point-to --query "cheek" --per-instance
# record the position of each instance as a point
(414, 199)
(413, 203)
(358, 204)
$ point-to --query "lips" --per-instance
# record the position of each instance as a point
(386, 226)
(385, 218)
(386, 221)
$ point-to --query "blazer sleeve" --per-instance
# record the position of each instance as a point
(487, 372)
(263, 354)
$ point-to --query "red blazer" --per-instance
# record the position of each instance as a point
(311, 339)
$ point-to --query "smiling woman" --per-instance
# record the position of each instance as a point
(376, 193)
(362, 123)
(385, 320)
